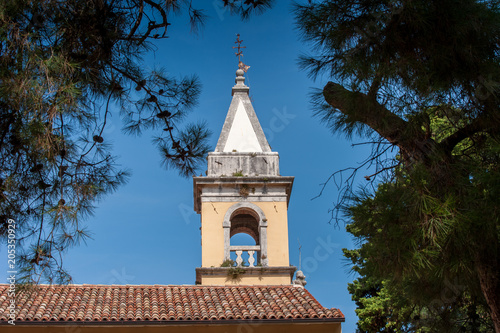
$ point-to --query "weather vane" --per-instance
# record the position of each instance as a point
(239, 54)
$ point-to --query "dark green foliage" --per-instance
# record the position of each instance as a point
(418, 254)
(417, 44)
(246, 8)
(420, 245)
(383, 306)
(422, 77)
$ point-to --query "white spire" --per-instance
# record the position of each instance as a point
(242, 131)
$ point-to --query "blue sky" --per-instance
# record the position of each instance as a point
(148, 233)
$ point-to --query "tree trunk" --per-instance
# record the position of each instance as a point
(489, 280)
(363, 108)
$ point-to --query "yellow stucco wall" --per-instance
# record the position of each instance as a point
(212, 233)
(320, 327)
(277, 232)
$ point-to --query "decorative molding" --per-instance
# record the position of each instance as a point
(225, 189)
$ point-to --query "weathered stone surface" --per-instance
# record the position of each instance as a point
(241, 131)
(243, 164)
(228, 189)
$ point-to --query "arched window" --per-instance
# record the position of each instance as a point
(246, 218)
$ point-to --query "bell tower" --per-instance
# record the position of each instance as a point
(243, 192)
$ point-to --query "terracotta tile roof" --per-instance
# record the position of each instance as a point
(165, 303)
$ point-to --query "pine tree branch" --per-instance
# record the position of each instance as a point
(138, 21)
(480, 124)
(360, 107)
(363, 108)
(151, 25)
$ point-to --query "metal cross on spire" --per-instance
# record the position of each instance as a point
(239, 54)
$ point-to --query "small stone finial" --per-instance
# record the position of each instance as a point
(300, 279)
(240, 82)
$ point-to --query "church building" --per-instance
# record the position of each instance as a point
(239, 288)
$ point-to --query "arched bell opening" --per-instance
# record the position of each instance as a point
(245, 219)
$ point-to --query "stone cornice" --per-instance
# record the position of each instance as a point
(285, 182)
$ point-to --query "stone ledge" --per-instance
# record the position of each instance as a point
(249, 271)
(252, 181)
(270, 180)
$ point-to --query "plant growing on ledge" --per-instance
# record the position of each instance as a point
(238, 173)
(234, 270)
(228, 263)
(244, 190)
